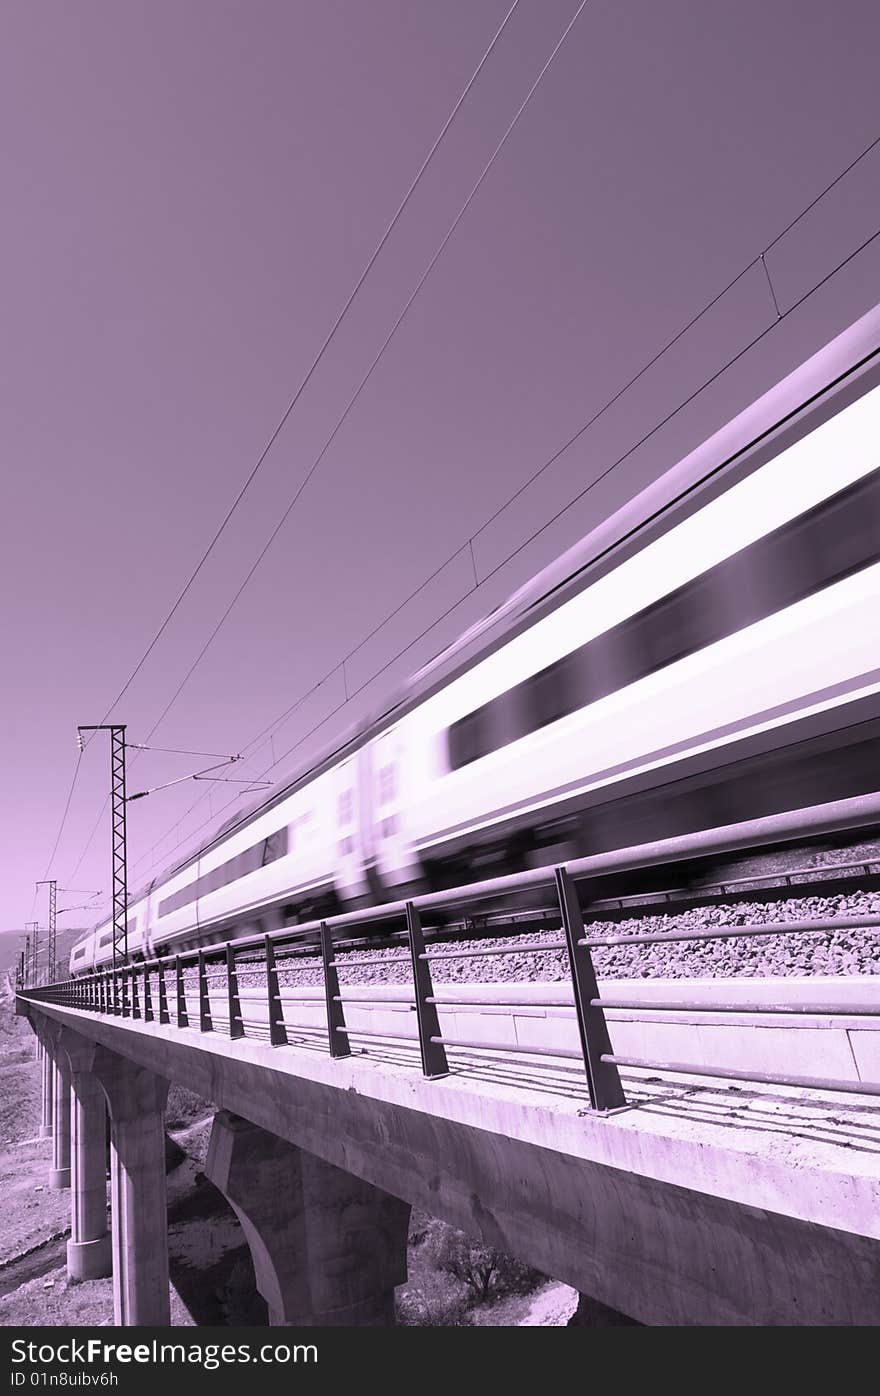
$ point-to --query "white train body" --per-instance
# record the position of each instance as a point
(723, 658)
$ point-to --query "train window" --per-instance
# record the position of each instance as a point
(469, 738)
(386, 784)
(678, 625)
(250, 860)
(848, 536)
(601, 666)
(346, 846)
(389, 826)
(550, 694)
(272, 847)
(345, 807)
(819, 547)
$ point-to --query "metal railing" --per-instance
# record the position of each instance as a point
(156, 989)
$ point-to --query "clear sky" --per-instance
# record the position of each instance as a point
(190, 189)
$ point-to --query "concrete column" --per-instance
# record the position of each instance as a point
(88, 1250)
(46, 1102)
(59, 1173)
(328, 1248)
(136, 1100)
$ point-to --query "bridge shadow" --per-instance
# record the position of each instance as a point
(764, 1114)
(852, 1125)
(209, 1260)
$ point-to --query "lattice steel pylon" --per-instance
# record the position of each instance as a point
(51, 958)
(118, 854)
(33, 939)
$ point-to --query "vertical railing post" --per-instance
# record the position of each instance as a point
(164, 1015)
(236, 1025)
(148, 995)
(182, 1015)
(603, 1078)
(339, 1043)
(205, 1024)
(124, 990)
(277, 1030)
(135, 1005)
(433, 1053)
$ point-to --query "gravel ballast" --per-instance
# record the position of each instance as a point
(846, 951)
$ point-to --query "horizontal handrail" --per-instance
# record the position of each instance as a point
(769, 928)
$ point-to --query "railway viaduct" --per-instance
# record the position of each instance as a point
(694, 1202)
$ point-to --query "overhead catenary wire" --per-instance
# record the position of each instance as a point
(328, 339)
(343, 417)
(331, 334)
(179, 751)
(366, 377)
(61, 825)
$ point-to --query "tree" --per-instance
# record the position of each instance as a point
(482, 1269)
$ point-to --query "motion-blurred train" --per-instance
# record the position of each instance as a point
(710, 653)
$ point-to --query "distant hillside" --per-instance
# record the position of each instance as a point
(12, 944)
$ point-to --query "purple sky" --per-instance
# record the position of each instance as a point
(189, 193)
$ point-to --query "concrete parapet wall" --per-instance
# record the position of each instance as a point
(806, 1044)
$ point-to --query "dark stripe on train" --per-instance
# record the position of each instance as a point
(259, 855)
(827, 543)
(107, 936)
(825, 756)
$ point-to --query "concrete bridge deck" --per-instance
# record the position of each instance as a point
(698, 1203)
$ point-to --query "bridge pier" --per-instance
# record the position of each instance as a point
(136, 1100)
(328, 1249)
(47, 1083)
(88, 1250)
(59, 1173)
